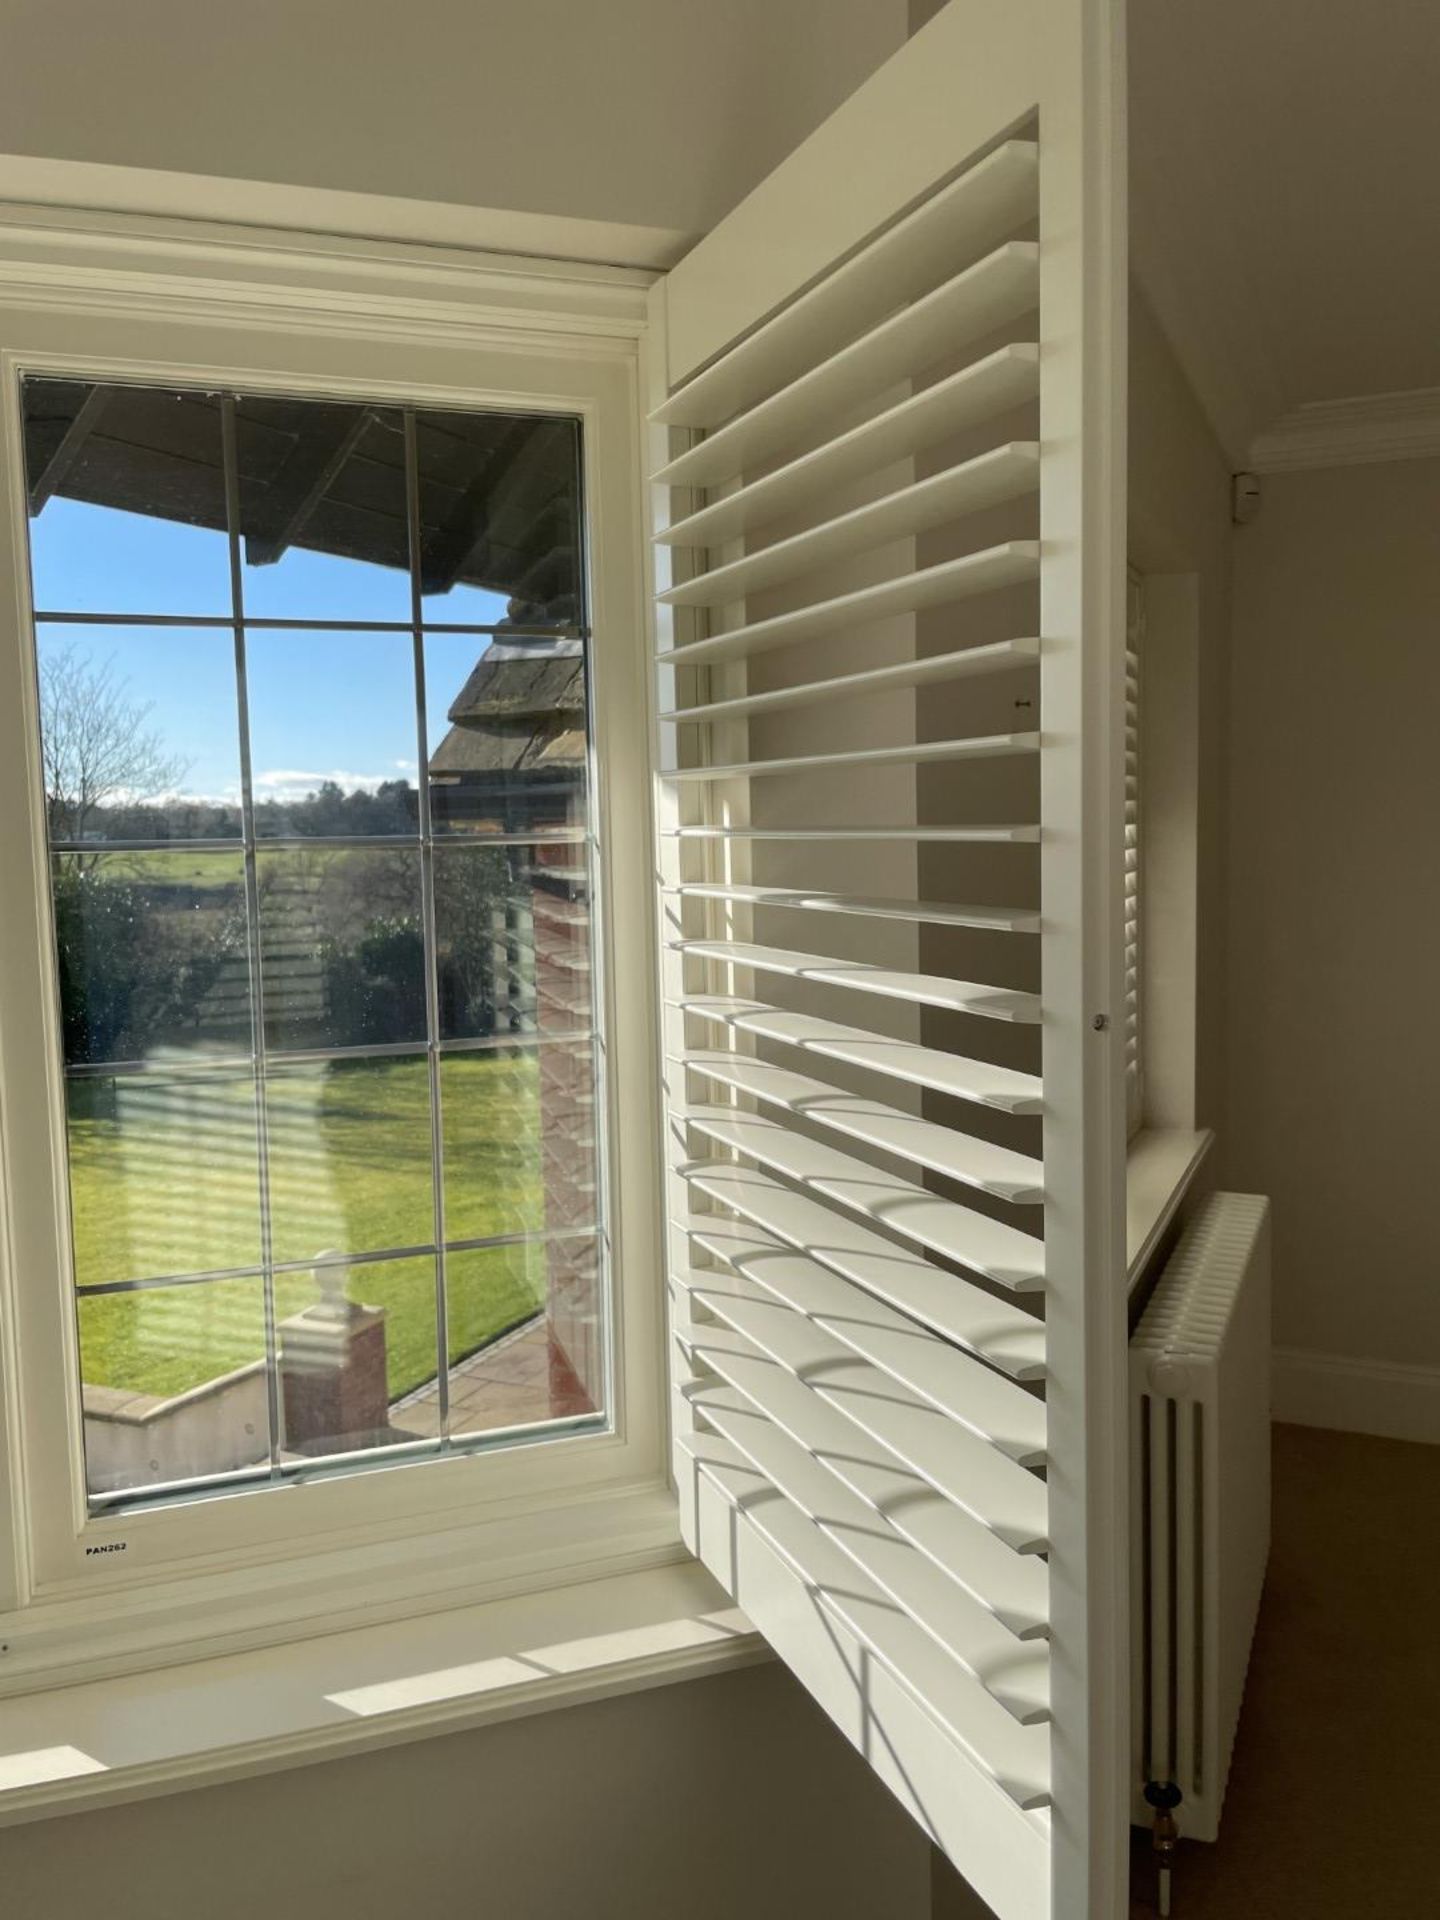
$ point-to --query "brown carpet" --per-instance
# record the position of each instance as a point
(1333, 1807)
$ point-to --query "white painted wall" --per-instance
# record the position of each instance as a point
(1334, 809)
(657, 112)
(717, 1799)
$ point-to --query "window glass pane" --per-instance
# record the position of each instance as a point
(164, 1174)
(139, 731)
(342, 946)
(550, 1367)
(349, 1144)
(352, 1342)
(174, 1383)
(506, 720)
(323, 520)
(512, 942)
(127, 500)
(153, 955)
(499, 518)
(323, 1222)
(519, 1141)
(332, 732)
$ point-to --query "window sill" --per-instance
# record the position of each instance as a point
(198, 1724)
(1160, 1170)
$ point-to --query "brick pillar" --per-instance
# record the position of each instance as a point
(333, 1384)
(567, 1125)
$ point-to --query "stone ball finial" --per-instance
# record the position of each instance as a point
(332, 1277)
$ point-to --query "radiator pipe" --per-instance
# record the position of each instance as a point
(1164, 1796)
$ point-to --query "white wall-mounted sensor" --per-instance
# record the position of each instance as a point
(1244, 498)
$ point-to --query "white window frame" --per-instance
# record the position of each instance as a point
(125, 297)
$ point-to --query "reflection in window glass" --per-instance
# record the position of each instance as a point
(139, 732)
(554, 1372)
(126, 492)
(342, 946)
(330, 1089)
(509, 743)
(512, 941)
(174, 1383)
(303, 738)
(519, 1140)
(354, 1341)
(164, 1174)
(152, 952)
(349, 1148)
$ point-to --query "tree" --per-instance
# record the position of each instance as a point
(97, 744)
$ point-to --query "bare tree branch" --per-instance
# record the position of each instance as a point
(97, 743)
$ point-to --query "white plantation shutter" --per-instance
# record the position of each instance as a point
(886, 442)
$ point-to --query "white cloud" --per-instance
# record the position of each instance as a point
(293, 783)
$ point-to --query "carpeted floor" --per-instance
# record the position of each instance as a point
(1333, 1807)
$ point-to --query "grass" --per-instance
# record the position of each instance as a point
(181, 866)
(164, 1181)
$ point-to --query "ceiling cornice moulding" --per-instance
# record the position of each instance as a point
(1354, 432)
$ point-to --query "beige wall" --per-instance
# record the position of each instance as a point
(1334, 792)
(729, 1798)
(660, 112)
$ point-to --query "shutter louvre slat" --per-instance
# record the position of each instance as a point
(935, 912)
(1002, 1412)
(921, 989)
(973, 1080)
(963, 1627)
(831, 1410)
(1005, 565)
(1002, 380)
(988, 1247)
(996, 1329)
(996, 290)
(985, 481)
(945, 1150)
(958, 836)
(981, 206)
(1003, 656)
(984, 747)
(1018, 1763)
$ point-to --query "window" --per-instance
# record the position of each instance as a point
(330, 1145)
(315, 741)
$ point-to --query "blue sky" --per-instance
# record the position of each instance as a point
(322, 705)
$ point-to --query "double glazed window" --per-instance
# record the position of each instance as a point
(316, 749)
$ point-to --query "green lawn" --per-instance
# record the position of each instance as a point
(181, 866)
(164, 1181)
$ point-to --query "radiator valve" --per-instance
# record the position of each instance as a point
(1164, 1796)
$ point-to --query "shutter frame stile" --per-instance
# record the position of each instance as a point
(895, 1271)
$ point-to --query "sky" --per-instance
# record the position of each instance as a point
(338, 706)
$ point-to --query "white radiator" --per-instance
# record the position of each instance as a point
(1200, 1492)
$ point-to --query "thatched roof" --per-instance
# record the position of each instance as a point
(523, 706)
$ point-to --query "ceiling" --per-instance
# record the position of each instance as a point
(1285, 198)
(1285, 160)
(658, 113)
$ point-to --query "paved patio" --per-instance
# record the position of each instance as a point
(519, 1380)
